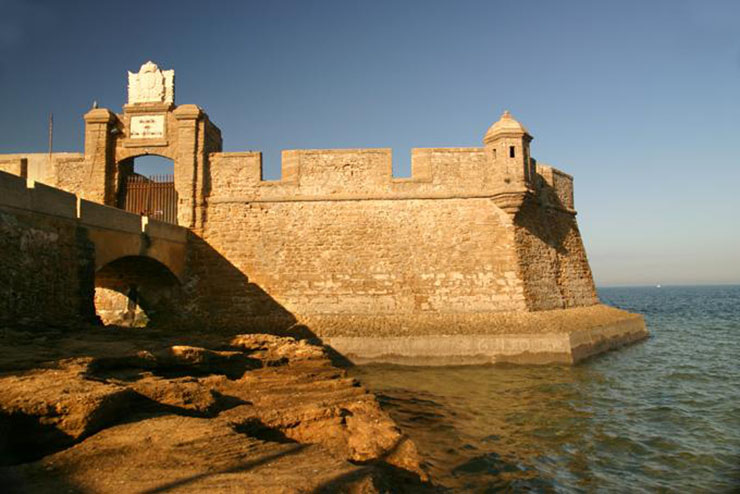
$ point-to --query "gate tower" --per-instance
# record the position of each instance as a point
(151, 124)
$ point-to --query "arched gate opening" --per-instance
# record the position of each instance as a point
(151, 124)
(147, 187)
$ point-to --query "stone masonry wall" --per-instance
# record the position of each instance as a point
(339, 236)
(47, 262)
(552, 259)
(53, 242)
(64, 170)
(350, 174)
(367, 257)
(17, 166)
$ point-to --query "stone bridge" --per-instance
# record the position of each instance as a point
(41, 228)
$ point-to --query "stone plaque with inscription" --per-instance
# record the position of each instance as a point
(147, 127)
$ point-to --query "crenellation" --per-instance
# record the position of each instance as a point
(557, 188)
(14, 191)
(347, 174)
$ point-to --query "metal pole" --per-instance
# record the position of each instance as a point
(51, 134)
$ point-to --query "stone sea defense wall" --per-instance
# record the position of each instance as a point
(339, 235)
(562, 336)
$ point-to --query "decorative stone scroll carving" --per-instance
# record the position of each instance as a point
(151, 85)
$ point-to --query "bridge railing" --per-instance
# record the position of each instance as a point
(20, 193)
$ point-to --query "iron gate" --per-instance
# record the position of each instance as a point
(154, 196)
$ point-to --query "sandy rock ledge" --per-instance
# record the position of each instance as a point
(253, 413)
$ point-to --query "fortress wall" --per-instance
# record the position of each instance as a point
(348, 257)
(319, 174)
(450, 170)
(72, 174)
(559, 184)
(552, 259)
(344, 171)
(55, 172)
(575, 277)
(339, 235)
(574, 273)
(235, 175)
(38, 238)
(537, 257)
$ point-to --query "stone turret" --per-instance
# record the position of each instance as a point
(513, 171)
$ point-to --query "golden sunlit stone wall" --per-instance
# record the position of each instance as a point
(339, 236)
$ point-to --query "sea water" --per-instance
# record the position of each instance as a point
(658, 416)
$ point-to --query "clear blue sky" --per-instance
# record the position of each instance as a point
(638, 100)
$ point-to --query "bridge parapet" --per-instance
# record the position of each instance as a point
(114, 232)
(20, 193)
(165, 231)
(93, 214)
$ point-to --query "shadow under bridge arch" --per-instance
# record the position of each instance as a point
(137, 291)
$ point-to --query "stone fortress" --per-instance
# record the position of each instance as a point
(476, 257)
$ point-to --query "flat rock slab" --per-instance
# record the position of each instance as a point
(176, 454)
(49, 409)
(239, 413)
(548, 337)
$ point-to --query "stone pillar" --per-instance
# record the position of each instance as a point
(187, 164)
(99, 180)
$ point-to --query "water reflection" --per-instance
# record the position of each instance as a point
(663, 415)
(485, 428)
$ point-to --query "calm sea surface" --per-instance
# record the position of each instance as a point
(658, 416)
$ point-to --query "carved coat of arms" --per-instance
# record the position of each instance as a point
(151, 85)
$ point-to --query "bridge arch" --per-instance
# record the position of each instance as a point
(160, 242)
(136, 291)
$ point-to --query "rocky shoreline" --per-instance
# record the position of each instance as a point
(111, 410)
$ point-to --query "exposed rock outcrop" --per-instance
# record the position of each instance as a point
(251, 413)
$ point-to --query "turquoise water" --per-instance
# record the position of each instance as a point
(658, 416)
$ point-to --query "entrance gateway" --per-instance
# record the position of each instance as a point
(151, 124)
(151, 195)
